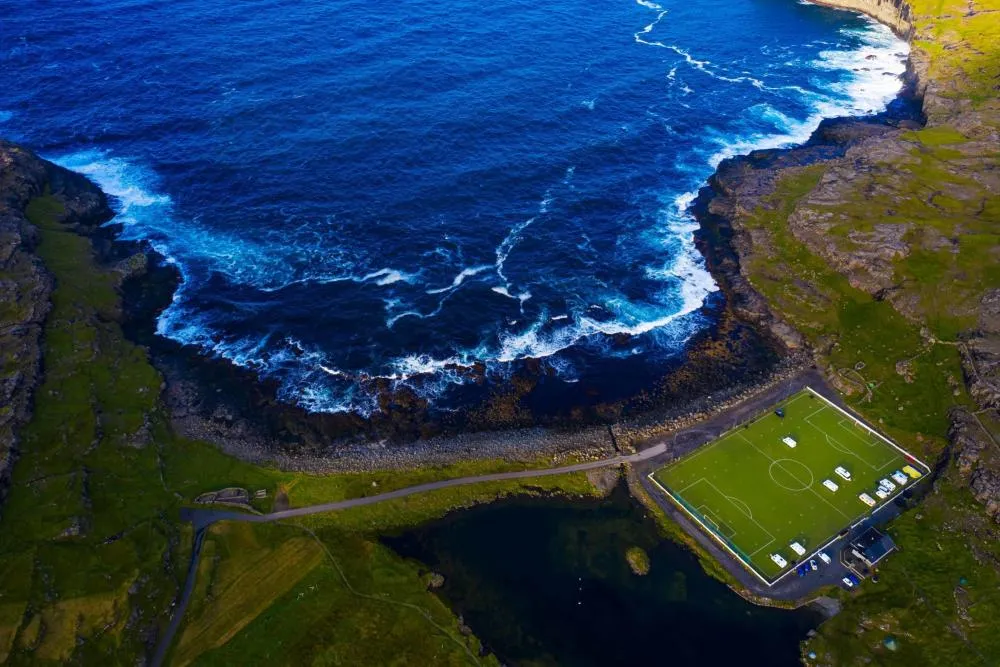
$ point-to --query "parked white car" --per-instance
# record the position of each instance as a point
(848, 582)
(824, 557)
(778, 560)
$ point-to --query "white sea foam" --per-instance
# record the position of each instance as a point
(874, 81)
(146, 214)
(388, 277)
(460, 278)
(514, 235)
(129, 185)
(315, 382)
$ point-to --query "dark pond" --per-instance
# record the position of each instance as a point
(545, 582)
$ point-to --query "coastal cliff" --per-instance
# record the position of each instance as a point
(875, 247)
(893, 13)
(25, 285)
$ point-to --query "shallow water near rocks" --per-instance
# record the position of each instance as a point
(545, 582)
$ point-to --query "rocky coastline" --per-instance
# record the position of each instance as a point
(751, 347)
(212, 400)
(25, 285)
(859, 157)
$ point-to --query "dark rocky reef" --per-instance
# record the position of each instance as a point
(519, 417)
(25, 286)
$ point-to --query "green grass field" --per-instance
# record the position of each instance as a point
(756, 495)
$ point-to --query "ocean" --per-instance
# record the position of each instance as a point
(358, 193)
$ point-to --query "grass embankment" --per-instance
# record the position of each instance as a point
(340, 598)
(905, 381)
(372, 603)
(92, 553)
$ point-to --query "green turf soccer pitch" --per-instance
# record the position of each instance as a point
(756, 495)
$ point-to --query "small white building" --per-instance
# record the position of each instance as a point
(843, 472)
(798, 548)
(830, 484)
(790, 441)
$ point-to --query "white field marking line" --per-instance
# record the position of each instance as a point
(847, 450)
(749, 516)
(735, 430)
(695, 482)
(841, 423)
(746, 508)
(813, 414)
(701, 450)
(863, 442)
(840, 447)
(718, 526)
(764, 415)
(773, 461)
(705, 511)
(746, 564)
(809, 488)
(781, 465)
(766, 545)
(909, 456)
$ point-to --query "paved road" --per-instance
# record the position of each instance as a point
(203, 518)
(676, 444)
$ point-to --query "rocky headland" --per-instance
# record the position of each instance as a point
(900, 207)
(25, 285)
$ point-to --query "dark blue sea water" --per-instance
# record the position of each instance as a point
(358, 189)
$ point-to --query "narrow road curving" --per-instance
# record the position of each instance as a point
(203, 518)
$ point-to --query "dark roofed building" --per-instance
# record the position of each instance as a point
(872, 546)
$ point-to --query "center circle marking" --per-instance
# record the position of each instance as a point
(797, 470)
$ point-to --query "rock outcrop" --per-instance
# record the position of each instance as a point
(978, 458)
(25, 286)
(894, 13)
(981, 354)
(902, 206)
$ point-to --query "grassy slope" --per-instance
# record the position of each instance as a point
(90, 545)
(920, 599)
(367, 592)
(917, 599)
